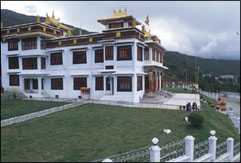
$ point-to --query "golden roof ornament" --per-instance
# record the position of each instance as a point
(119, 13)
(37, 19)
(56, 22)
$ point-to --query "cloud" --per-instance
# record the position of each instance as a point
(31, 9)
(206, 29)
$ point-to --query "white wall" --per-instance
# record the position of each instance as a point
(68, 69)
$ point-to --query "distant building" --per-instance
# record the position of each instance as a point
(227, 76)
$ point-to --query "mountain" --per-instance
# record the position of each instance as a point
(184, 68)
(178, 63)
(9, 18)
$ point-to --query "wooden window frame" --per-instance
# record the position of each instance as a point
(109, 53)
(79, 57)
(139, 53)
(30, 63)
(99, 83)
(128, 82)
(29, 43)
(27, 84)
(56, 58)
(12, 45)
(116, 25)
(14, 80)
(99, 55)
(79, 82)
(146, 54)
(124, 49)
(43, 63)
(60, 83)
(139, 83)
(35, 83)
(13, 62)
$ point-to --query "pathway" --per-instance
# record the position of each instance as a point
(37, 114)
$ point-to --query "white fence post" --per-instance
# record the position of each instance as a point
(230, 148)
(155, 151)
(189, 147)
(107, 160)
(212, 142)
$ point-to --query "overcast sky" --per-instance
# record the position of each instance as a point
(206, 29)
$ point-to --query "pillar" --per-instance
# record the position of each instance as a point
(39, 86)
(150, 77)
(189, 147)
(230, 147)
(212, 142)
(160, 82)
(155, 151)
(39, 63)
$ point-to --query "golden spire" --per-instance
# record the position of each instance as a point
(119, 13)
(53, 14)
(147, 21)
(37, 19)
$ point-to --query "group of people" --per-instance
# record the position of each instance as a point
(190, 107)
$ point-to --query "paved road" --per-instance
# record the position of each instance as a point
(233, 101)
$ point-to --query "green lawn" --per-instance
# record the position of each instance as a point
(16, 107)
(94, 131)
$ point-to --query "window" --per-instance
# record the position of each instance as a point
(13, 63)
(29, 43)
(124, 83)
(116, 25)
(57, 83)
(80, 82)
(26, 84)
(42, 83)
(139, 54)
(99, 56)
(14, 80)
(43, 63)
(139, 83)
(79, 57)
(12, 45)
(124, 53)
(109, 53)
(56, 58)
(146, 55)
(29, 63)
(109, 67)
(35, 83)
(99, 83)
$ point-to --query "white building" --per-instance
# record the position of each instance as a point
(121, 63)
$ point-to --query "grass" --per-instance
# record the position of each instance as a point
(177, 90)
(93, 131)
(16, 107)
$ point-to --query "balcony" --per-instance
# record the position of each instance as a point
(149, 63)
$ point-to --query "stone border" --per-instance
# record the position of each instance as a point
(37, 114)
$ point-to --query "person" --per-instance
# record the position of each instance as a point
(194, 106)
(188, 107)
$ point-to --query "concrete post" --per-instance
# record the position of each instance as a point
(155, 151)
(230, 147)
(39, 63)
(212, 141)
(107, 160)
(39, 86)
(189, 147)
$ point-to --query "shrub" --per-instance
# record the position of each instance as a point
(196, 119)
(12, 94)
